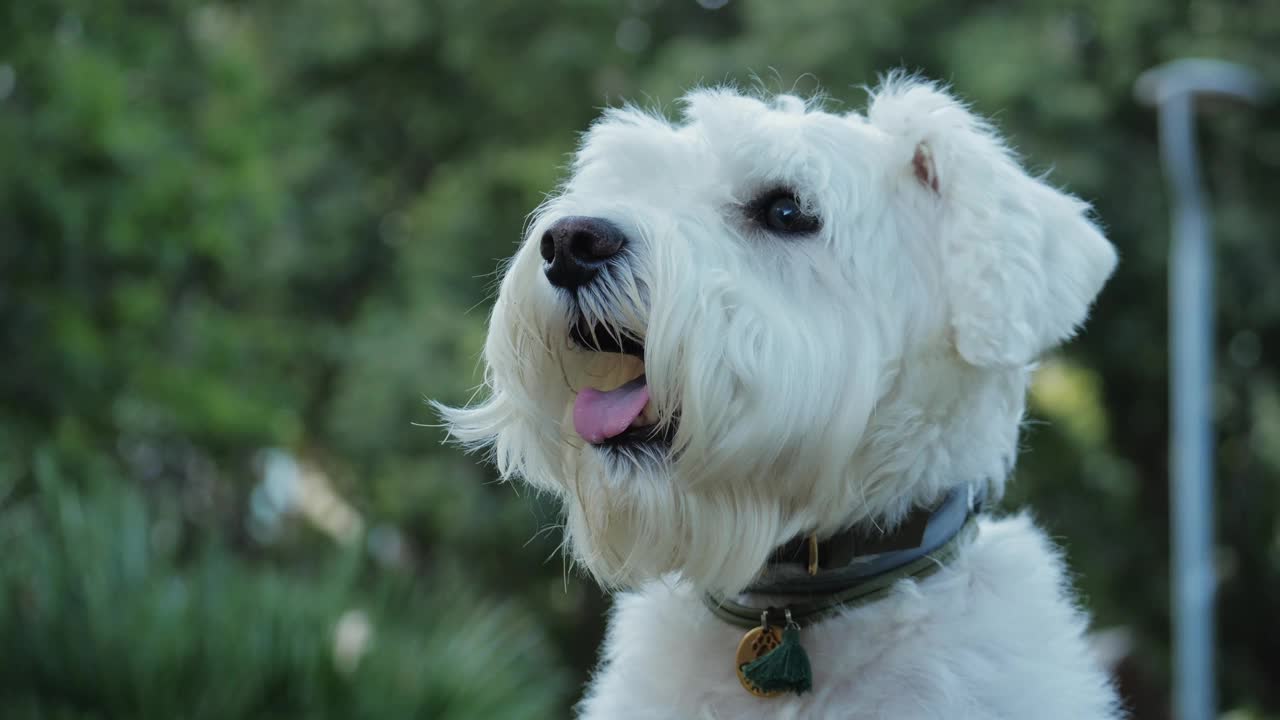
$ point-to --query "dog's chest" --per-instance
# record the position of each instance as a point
(992, 637)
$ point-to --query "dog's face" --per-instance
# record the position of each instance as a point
(768, 320)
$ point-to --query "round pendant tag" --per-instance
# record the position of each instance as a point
(757, 643)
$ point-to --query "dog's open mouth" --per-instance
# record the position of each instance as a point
(624, 416)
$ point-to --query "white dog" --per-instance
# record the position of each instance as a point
(773, 360)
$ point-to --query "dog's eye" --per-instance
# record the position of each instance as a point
(781, 212)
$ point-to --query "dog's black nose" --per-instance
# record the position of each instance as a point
(575, 248)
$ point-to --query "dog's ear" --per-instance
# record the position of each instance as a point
(1022, 261)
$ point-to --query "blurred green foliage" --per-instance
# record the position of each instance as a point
(233, 226)
(100, 618)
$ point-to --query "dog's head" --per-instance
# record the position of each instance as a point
(769, 320)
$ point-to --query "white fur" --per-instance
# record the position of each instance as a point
(820, 382)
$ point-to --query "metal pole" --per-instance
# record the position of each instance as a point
(1174, 88)
(1191, 302)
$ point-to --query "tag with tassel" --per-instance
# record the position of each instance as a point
(771, 663)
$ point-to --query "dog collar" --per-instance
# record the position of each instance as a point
(816, 579)
(808, 566)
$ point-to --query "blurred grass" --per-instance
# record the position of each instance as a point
(111, 617)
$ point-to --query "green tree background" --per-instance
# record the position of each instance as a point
(241, 242)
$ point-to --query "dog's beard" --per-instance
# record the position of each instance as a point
(629, 522)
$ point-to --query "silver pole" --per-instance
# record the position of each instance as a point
(1174, 88)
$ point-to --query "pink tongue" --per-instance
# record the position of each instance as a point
(599, 415)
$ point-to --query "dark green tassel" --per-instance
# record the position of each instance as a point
(786, 667)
